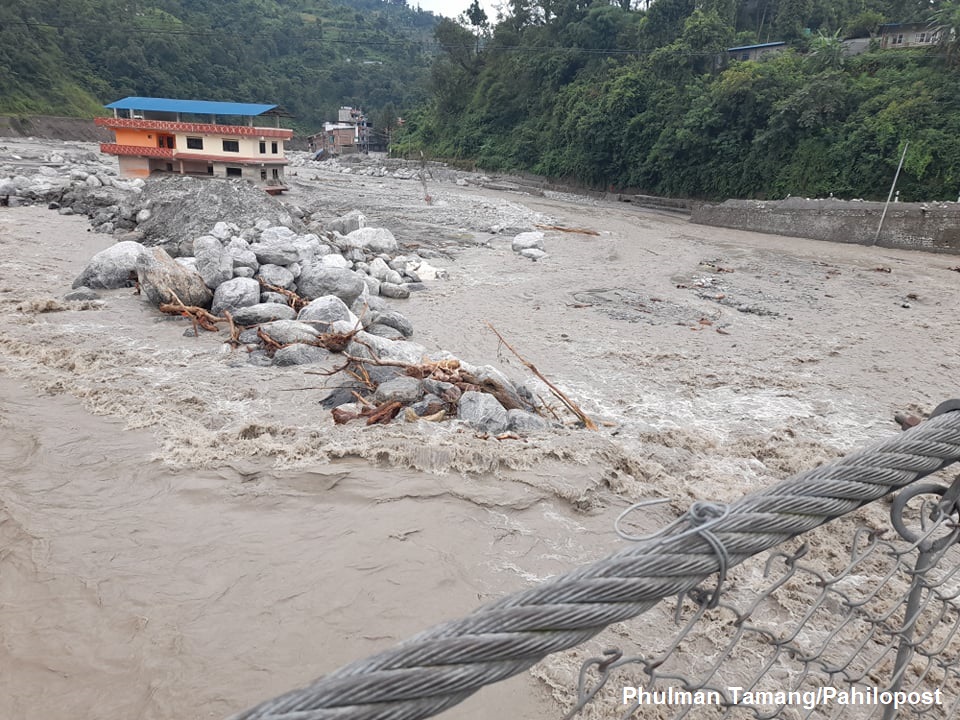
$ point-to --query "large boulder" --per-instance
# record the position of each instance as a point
(353, 220)
(161, 277)
(111, 268)
(290, 331)
(394, 320)
(483, 412)
(239, 250)
(300, 354)
(526, 240)
(263, 313)
(236, 293)
(214, 265)
(370, 346)
(276, 275)
(403, 389)
(317, 281)
(373, 240)
(275, 252)
(327, 309)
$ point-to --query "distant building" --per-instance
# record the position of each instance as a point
(753, 52)
(197, 137)
(350, 134)
(904, 35)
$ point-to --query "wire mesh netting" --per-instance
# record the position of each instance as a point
(859, 619)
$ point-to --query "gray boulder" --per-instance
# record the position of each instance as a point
(384, 331)
(403, 389)
(263, 313)
(277, 233)
(160, 277)
(327, 309)
(290, 331)
(378, 268)
(300, 354)
(533, 253)
(273, 297)
(214, 265)
(239, 250)
(394, 320)
(366, 345)
(224, 231)
(235, 293)
(81, 293)
(527, 240)
(333, 260)
(524, 422)
(353, 220)
(317, 281)
(373, 240)
(483, 412)
(276, 275)
(279, 252)
(397, 292)
(111, 268)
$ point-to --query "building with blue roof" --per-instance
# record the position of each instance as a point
(198, 137)
(753, 52)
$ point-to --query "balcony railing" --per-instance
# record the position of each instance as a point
(141, 151)
(192, 127)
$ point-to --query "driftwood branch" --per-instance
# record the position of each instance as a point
(558, 393)
(579, 231)
(293, 300)
(201, 317)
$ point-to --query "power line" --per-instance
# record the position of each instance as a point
(429, 47)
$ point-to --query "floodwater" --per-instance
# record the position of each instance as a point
(184, 535)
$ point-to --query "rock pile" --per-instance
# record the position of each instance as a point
(293, 298)
(53, 176)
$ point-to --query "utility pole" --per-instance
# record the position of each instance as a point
(892, 188)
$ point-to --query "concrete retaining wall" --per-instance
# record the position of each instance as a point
(934, 227)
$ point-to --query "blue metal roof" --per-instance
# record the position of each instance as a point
(749, 47)
(194, 107)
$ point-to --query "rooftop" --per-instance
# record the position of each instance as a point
(754, 47)
(195, 107)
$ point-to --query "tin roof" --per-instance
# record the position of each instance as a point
(195, 107)
(754, 47)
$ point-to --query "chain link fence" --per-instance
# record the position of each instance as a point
(860, 619)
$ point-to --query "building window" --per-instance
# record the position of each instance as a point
(209, 169)
(898, 39)
(276, 174)
(273, 148)
(263, 147)
(231, 146)
(234, 172)
(263, 174)
(195, 143)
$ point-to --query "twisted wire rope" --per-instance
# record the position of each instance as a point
(442, 666)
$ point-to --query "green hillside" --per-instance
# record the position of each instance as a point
(69, 57)
(647, 98)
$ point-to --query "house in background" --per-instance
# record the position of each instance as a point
(198, 137)
(350, 134)
(753, 52)
(904, 35)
